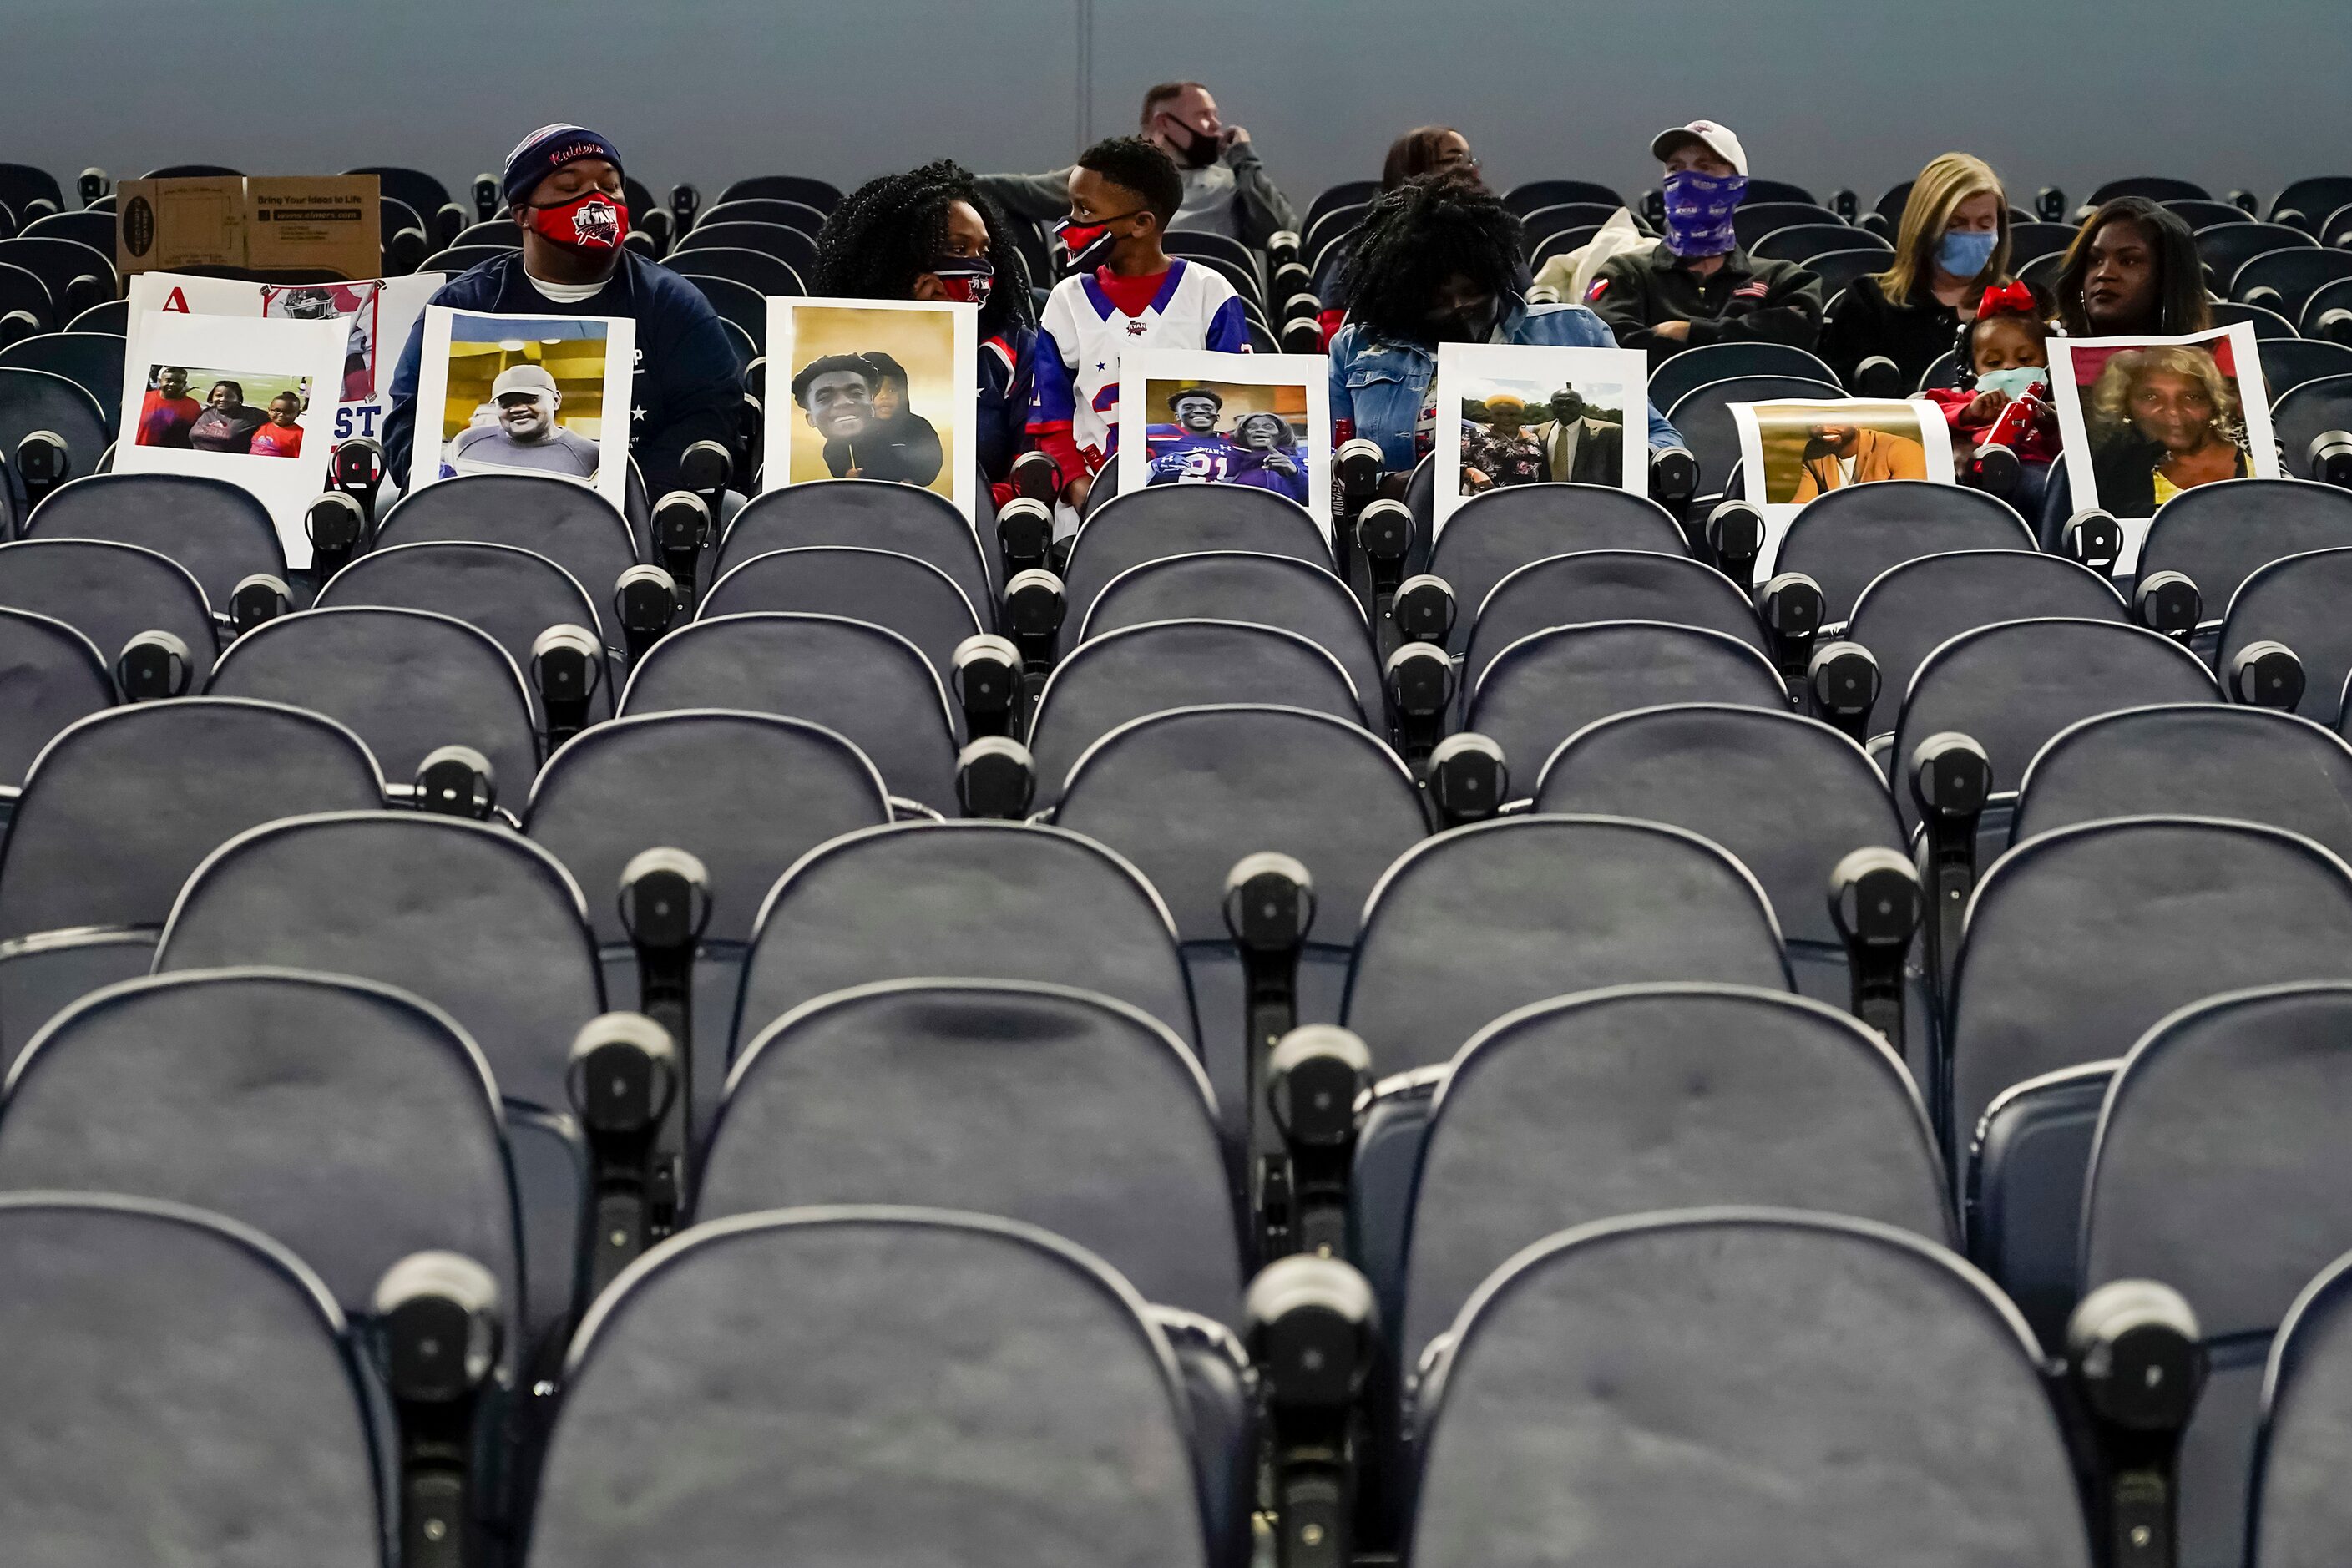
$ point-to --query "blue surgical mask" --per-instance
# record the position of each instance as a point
(1698, 212)
(2016, 381)
(1964, 252)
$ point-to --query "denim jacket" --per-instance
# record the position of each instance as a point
(1377, 384)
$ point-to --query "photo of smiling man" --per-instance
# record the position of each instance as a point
(544, 395)
(525, 434)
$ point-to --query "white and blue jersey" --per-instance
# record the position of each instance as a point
(1083, 334)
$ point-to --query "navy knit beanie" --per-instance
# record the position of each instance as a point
(547, 149)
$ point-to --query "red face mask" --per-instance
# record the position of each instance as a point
(590, 221)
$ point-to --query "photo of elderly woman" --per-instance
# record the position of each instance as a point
(2146, 419)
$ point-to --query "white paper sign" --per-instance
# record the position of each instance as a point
(1792, 450)
(1190, 416)
(1510, 414)
(247, 400)
(873, 389)
(537, 395)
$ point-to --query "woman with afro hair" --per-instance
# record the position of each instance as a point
(929, 234)
(1436, 261)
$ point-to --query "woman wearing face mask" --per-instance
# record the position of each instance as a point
(1437, 261)
(1953, 245)
(931, 233)
(2163, 420)
(565, 192)
(2133, 271)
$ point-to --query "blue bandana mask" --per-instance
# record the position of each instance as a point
(1964, 252)
(1698, 212)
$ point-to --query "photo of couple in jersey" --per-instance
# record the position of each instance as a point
(1230, 435)
(245, 413)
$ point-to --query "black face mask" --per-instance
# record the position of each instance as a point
(1474, 324)
(1196, 151)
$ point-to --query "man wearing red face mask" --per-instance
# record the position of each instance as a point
(564, 189)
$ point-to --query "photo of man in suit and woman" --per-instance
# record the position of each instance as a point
(1518, 435)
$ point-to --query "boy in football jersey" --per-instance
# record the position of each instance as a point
(1124, 291)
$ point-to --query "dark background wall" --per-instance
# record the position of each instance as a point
(2254, 93)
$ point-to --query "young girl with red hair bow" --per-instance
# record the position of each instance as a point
(2006, 403)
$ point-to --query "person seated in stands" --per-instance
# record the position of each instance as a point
(1428, 150)
(562, 185)
(1226, 189)
(1952, 246)
(2133, 271)
(228, 421)
(1438, 261)
(2004, 398)
(1696, 285)
(1124, 291)
(931, 233)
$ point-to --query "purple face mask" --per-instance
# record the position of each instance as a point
(1698, 212)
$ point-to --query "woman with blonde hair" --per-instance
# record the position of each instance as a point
(1952, 246)
(2163, 419)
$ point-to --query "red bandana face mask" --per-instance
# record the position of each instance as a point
(590, 221)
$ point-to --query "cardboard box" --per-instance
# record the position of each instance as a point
(307, 224)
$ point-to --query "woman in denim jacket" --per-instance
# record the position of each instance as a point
(1437, 261)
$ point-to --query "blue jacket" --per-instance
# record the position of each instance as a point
(1378, 384)
(687, 386)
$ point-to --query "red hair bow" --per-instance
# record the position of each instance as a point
(2010, 299)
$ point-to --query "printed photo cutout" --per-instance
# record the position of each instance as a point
(1513, 415)
(878, 390)
(1190, 416)
(249, 401)
(534, 394)
(1795, 451)
(2143, 419)
(378, 312)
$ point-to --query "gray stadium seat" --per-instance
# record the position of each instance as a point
(1743, 1386)
(1476, 921)
(1239, 586)
(1493, 535)
(407, 682)
(180, 1388)
(1845, 539)
(865, 682)
(569, 523)
(1546, 686)
(911, 598)
(2298, 600)
(903, 1385)
(218, 531)
(1040, 1103)
(109, 593)
(50, 675)
(1606, 586)
(2302, 1512)
(1184, 520)
(872, 514)
(2220, 534)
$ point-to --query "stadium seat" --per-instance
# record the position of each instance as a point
(2299, 1503)
(746, 794)
(1254, 780)
(1801, 242)
(422, 192)
(912, 598)
(2267, 324)
(2310, 201)
(2153, 188)
(2288, 362)
(122, 807)
(1239, 586)
(2320, 317)
(1472, 923)
(2214, 1171)
(867, 682)
(1845, 539)
(1149, 668)
(1837, 269)
(962, 900)
(956, 1388)
(50, 675)
(1789, 796)
(1738, 1383)
(1183, 519)
(109, 316)
(21, 185)
(2011, 686)
(1604, 585)
(1033, 1102)
(2282, 280)
(496, 234)
(2224, 248)
(2032, 241)
(1492, 535)
(76, 275)
(33, 400)
(1702, 416)
(1695, 368)
(756, 268)
(460, 259)
(1544, 687)
(871, 514)
(570, 524)
(23, 294)
(1913, 607)
(515, 595)
(2079, 940)
(779, 210)
(91, 360)
(197, 1393)
(1537, 195)
(218, 531)
(2219, 535)
(810, 193)
(789, 246)
(109, 593)
(2315, 409)
(2298, 600)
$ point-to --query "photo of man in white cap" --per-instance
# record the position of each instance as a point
(525, 435)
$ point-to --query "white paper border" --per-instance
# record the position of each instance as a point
(1139, 366)
(433, 394)
(779, 411)
(1934, 435)
(1529, 361)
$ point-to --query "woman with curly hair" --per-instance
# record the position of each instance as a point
(929, 234)
(1437, 261)
(2163, 419)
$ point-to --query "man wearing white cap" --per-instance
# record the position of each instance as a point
(526, 434)
(1696, 285)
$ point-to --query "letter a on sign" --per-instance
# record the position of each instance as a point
(178, 302)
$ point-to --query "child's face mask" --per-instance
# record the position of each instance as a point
(2014, 382)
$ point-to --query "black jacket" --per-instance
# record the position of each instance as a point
(1746, 299)
(1914, 334)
